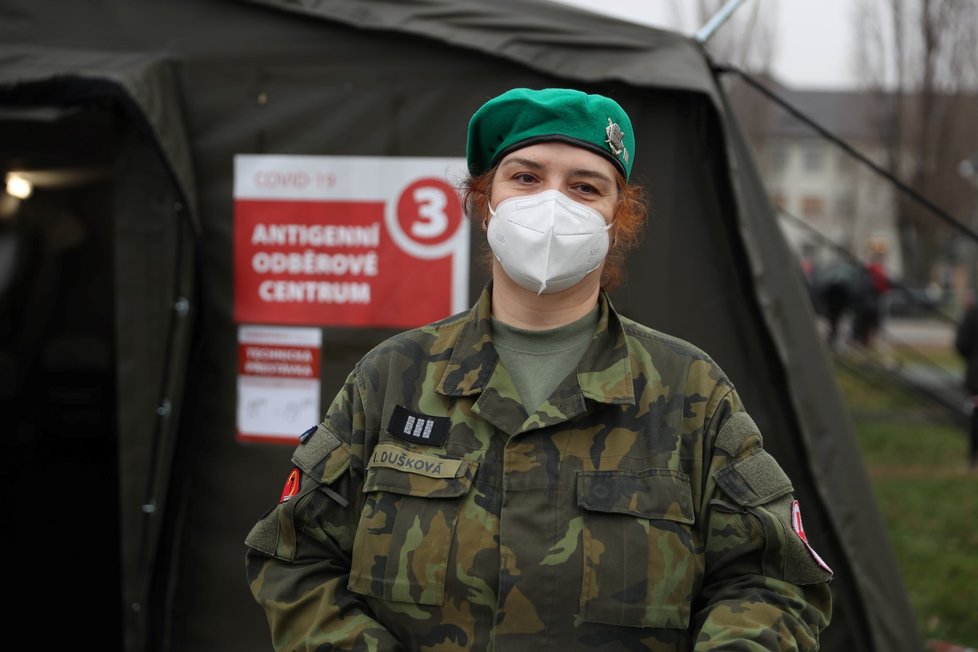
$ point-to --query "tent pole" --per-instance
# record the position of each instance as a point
(718, 19)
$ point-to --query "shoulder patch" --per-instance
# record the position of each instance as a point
(418, 428)
(799, 529)
(735, 432)
(292, 483)
(754, 480)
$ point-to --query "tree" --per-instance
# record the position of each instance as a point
(921, 58)
(746, 39)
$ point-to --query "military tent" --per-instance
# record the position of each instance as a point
(127, 494)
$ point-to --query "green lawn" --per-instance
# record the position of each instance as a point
(917, 461)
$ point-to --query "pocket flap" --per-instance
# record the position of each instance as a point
(754, 480)
(323, 456)
(410, 472)
(264, 534)
(652, 494)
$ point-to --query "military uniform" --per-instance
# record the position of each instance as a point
(634, 510)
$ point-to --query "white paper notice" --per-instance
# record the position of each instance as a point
(278, 382)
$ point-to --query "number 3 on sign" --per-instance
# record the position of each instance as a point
(431, 209)
(425, 219)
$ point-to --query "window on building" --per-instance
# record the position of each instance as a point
(814, 157)
(844, 163)
(812, 207)
(777, 158)
(844, 206)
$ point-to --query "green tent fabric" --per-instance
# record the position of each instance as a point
(153, 248)
(185, 86)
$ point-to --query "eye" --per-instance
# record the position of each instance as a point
(586, 189)
(524, 177)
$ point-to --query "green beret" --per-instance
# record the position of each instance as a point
(522, 116)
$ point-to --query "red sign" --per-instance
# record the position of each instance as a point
(278, 361)
(347, 241)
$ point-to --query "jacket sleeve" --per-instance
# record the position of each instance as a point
(765, 588)
(299, 553)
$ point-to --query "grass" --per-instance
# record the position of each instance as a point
(917, 462)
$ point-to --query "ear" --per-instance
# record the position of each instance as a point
(486, 215)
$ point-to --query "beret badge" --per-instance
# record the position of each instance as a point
(616, 140)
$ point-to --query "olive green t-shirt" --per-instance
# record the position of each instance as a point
(539, 360)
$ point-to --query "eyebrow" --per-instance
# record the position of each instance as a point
(580, 172)
(592, 174)
(530, 163)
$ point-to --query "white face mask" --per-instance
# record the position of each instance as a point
(547, 242)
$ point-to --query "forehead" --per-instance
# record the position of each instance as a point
(557, 156)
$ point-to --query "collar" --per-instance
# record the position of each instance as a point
(604, 373)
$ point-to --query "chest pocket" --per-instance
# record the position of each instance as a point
(404, 537)
(640, 568)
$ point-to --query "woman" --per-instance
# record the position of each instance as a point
(540, 472)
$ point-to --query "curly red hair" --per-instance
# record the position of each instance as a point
(631, 213)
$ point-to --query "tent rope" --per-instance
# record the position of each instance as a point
(851, 258)
(848, 255)
(850, 150)
(885, 379)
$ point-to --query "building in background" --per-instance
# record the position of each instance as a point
(830, 203)
(833, 206)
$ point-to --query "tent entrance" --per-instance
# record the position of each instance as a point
(57, 372)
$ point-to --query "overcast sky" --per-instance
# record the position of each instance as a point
(813, 43)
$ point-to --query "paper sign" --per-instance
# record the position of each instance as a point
(348, 240)
(278, 382)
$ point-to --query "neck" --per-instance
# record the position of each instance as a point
(515, 305)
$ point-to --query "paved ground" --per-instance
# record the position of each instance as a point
(926, 343)
(919, 331)
(932, 340)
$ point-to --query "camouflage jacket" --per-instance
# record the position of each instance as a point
(634, 510)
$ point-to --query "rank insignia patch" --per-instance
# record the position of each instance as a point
(418, 428)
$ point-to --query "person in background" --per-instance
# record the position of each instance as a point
(540, 472)
(872, 285)
(966, 343)
(836, 290)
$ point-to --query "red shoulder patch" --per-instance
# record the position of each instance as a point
(800, 531)
(291, 487)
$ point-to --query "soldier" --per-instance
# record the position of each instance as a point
(539, 472)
